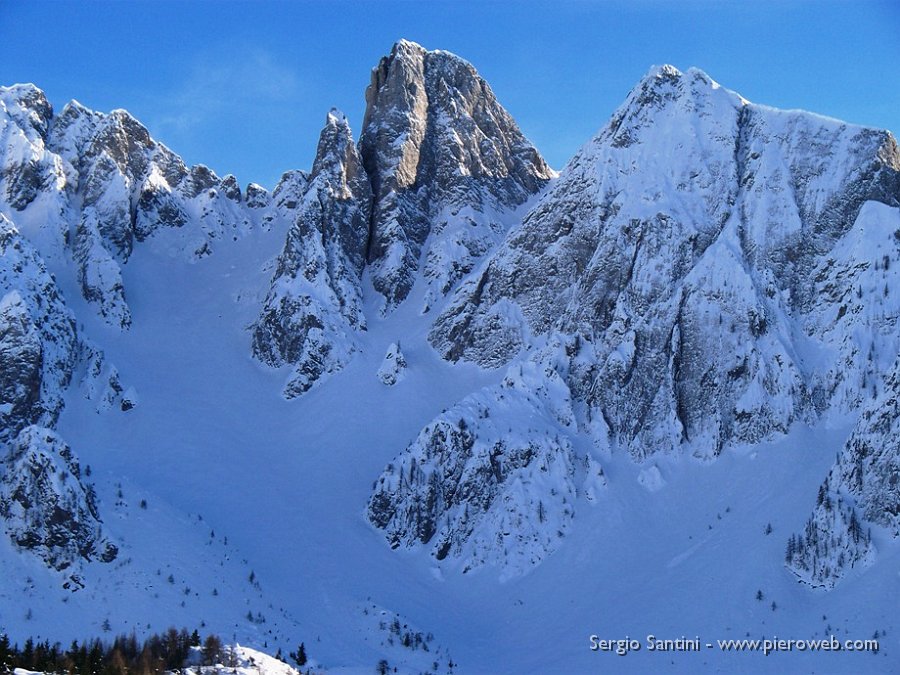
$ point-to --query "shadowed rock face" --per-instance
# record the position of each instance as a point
(683, 245)
(21, 358)
(26, 174)
(438, 149)
(439, 160)
(314, 307)
(47, 508)
(494, 480)
(39, 347)
(705, 273)
(44, 506)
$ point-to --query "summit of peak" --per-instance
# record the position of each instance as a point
(407, 45)
(336, 116)
(23, 90)
(663, 71)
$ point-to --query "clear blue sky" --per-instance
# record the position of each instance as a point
(244, 86)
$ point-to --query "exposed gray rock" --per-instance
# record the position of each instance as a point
(286, 197)
(47, 508)
(314, 307)
(681, 246)
(257, 196)
(231, 189)
(495, 480)
(39, 348)
(114, 186)
(445, 160)
(25, 175)
(21, 358)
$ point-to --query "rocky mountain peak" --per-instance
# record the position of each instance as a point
(314, 305)
(34, 108)
(337, 155)
(434, 139)
(396, 108)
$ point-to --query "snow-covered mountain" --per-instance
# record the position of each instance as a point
(704, 274)
(314, 307)
(528, 364)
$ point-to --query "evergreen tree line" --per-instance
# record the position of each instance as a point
(158, 653)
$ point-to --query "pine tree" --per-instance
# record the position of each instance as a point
(212, 650)
(300, 655)
(4, 653)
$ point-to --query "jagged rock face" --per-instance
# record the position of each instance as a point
(492, 481)
(39, 347)
(681, 245)
(27, 169)
(863, 485)
(286, 197)
(104, 185)
(314, 307)
(21, 359)
(32, 178)
(257, 197)
(47, 508)
(869, 466)
(133, 188)
(445, 159)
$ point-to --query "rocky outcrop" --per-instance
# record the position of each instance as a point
(314, 308)
(27, 169)
(39, 348)
(99, 184)
(494, 481)
(862, 489)
(44, 506)
(704, 273)
(446, 162)
(47, 508)
(257, 197)
(393, 366)
(682, 246)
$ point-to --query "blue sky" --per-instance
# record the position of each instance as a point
(244, 86)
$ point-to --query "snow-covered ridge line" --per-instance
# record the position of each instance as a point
(97, 184)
